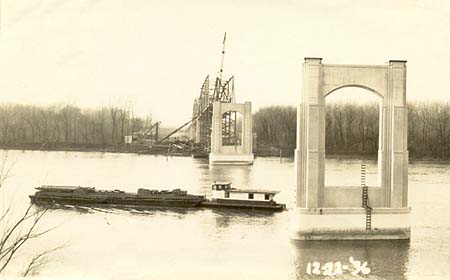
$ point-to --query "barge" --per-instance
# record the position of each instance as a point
(77, 195)
(224, 196)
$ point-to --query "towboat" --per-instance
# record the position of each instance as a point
(90, 196)
(224, 196)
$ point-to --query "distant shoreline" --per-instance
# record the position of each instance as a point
(85, 148)
(162, 150)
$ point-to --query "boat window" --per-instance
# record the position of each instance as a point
(214, 187)
(250, 196)
(266, 196)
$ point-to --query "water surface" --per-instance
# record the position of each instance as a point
(214, 244)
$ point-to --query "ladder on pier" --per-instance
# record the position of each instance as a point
(365, 197)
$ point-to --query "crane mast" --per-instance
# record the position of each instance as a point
(222, 57)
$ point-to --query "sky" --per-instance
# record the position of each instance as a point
(156, 54)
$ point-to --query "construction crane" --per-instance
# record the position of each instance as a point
(222, 57)
(148, 131)
(185, 124)
(223, 91)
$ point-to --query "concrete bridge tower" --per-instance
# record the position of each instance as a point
(325, 212)
(232, 135)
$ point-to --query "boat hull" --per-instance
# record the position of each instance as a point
(243, 204)
(191, 201)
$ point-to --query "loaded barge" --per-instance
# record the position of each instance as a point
(222, 196)
(91, 196)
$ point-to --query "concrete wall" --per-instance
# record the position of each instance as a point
(370, 77)
(349, 196)
(352, 218)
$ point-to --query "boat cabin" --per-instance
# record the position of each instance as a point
(223, 190)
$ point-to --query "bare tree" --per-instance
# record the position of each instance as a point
(123, 117)
(66, 124)
(38, 261)
(113, 110)
(21, 230)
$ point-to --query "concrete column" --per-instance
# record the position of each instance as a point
(247, 128)
(310, 148)
(300, 154)
(216, 133)
(399, 166)
(380, 145)
(384, 165)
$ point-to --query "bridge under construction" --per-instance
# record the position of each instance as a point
(220, 128)
(202, 112)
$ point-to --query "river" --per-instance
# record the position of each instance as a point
(208, 243)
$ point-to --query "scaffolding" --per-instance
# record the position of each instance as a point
(231, 132)
(222, 92)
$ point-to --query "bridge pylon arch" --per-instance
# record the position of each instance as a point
(320, 214)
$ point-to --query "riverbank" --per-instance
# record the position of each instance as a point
(163, 149)
(160, 149)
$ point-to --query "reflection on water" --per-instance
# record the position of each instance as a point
(385, 259)
(117, 209)
(226, 217)
(238, 174)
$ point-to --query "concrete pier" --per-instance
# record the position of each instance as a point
(332, 212)
(241, 150)
(349, 224)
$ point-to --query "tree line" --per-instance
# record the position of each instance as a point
(276, 126)
(350, 128)
(67, 124)
(353, 128)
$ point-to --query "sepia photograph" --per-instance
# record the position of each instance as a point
(290, 139)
